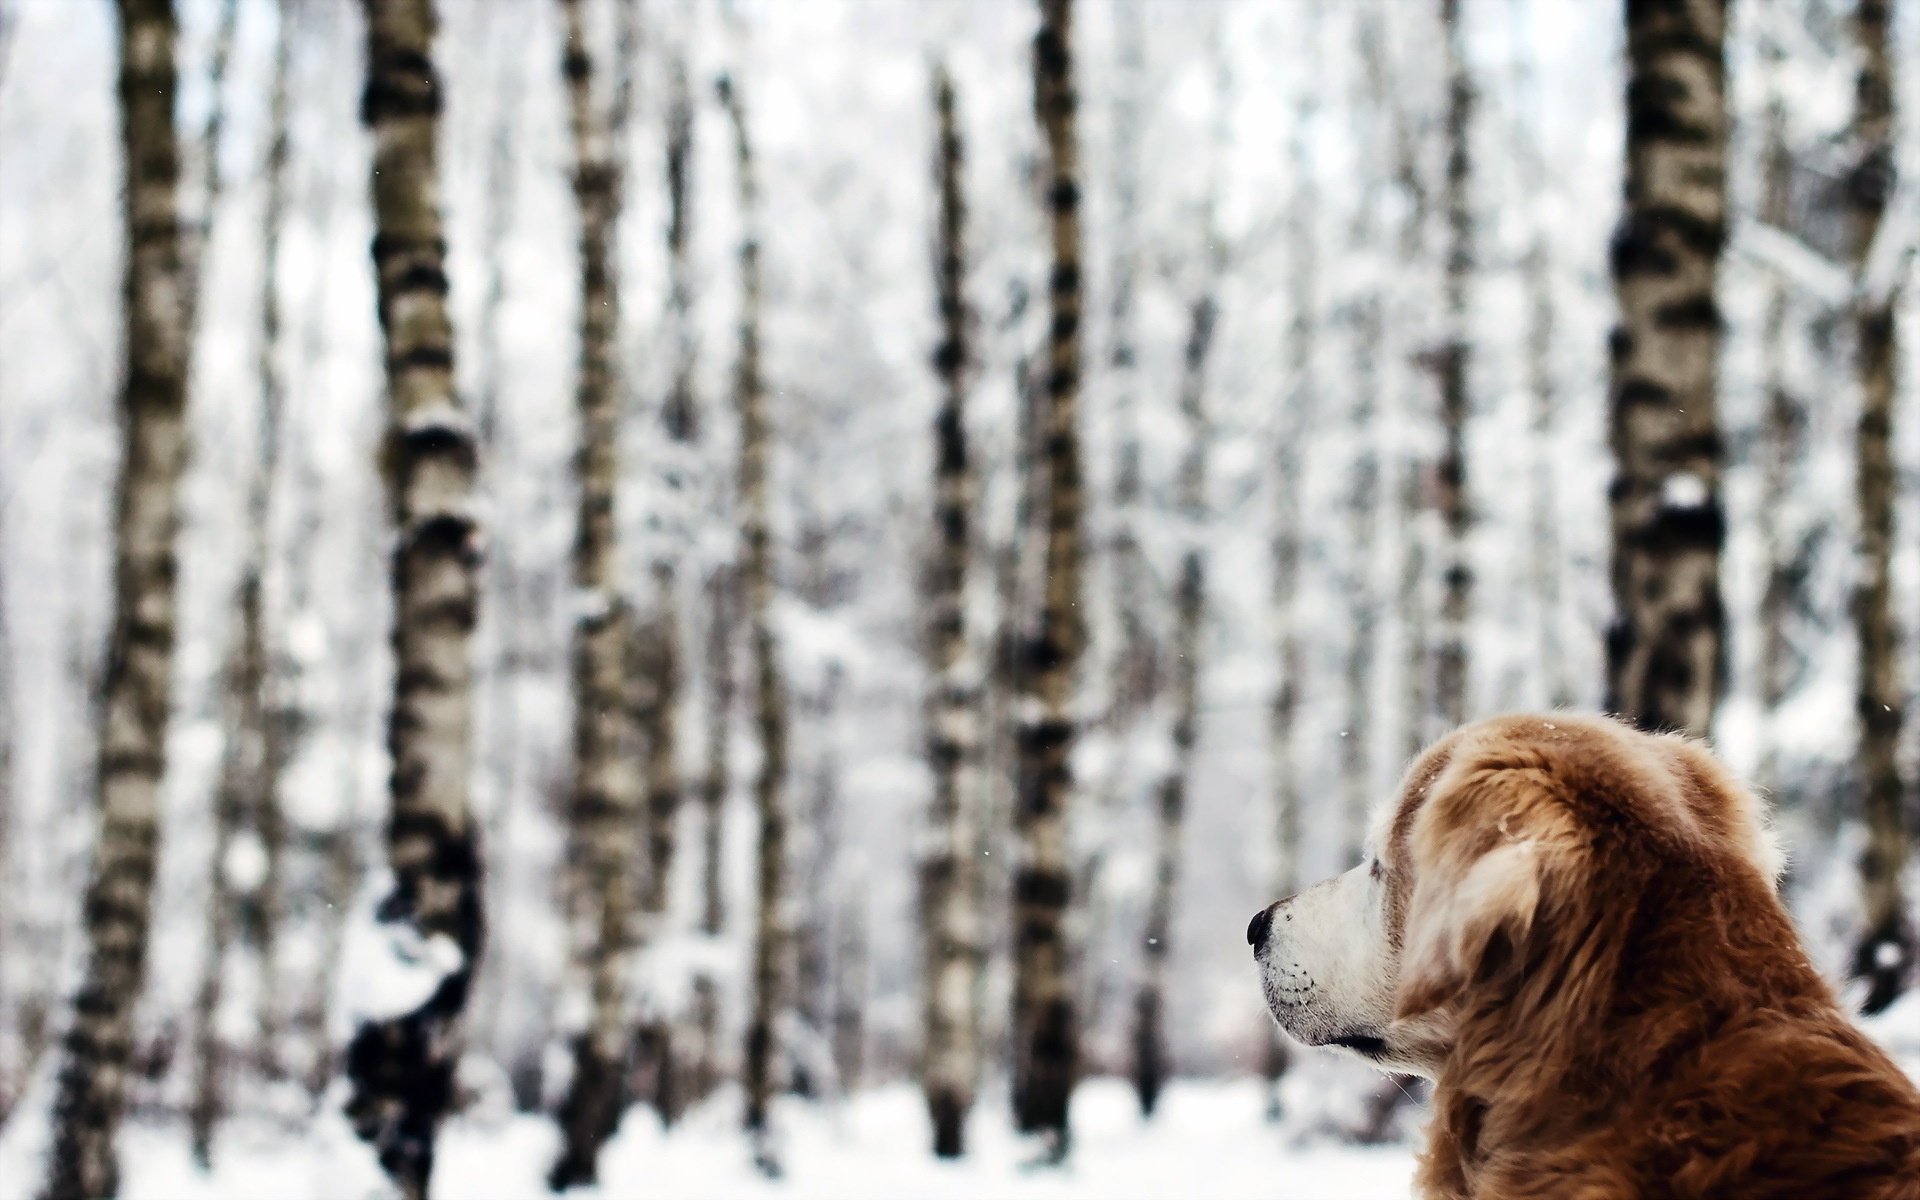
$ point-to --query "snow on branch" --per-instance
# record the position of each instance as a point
(1806, 268)
(1890, 258)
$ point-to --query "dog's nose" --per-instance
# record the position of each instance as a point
(1258, 928)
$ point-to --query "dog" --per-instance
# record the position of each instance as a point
(1574, 929)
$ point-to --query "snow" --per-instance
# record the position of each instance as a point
(1207, 1139)
(1684, 490)
(246, 864)
(386, 968)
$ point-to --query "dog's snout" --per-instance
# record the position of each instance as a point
(1259, 927)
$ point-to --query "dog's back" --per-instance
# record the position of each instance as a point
(1703, 1056)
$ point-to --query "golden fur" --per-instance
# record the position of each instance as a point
(1591, 914)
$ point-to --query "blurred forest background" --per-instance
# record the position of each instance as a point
(843, 548)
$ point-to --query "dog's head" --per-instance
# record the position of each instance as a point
(1503, 848)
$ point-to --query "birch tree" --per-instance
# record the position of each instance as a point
(952, 946)
(661, 634)
(608, 786)
(1046, 1053)
(1131, 660)
(768, 976)
(657, 665)
(1666, 647)
(1783, 445)
(1884, 956)
(1456, 513)
(684, 427)
(1150, 1067)
(246, 802)
(1292, 426)
(501, 635)
(722, 605)
(1409, 302)
(1544, 570)
(400, 1065)
(91, 1091)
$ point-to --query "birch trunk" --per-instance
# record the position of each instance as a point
(203, 159)
(1884, 957)
(849, 1001)
(1411, 601)
(15, 939)
(401, 1066)
(722, 621)
(1133, 667)
(678, 421)
(683, 428)
(662, 633)
(768, 975)
(499, 636)
(952, 948)
(608, 785)
(1456, 514)
(816, 854)
(1666, 653)
(1150, 1065)
(1356, 741)
(1782, 448)
(1047, 1055)
(345, 848)
(246, 804)
(1537, 272)
(1293, 424)
(1018, 482)
(134, 697)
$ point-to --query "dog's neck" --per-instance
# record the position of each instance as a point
(1592, 1018)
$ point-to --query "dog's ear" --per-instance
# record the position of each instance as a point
(1485, 847)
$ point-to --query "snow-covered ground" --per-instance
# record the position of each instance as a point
(1209, 1139)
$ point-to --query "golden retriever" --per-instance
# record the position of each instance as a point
(1573, 928)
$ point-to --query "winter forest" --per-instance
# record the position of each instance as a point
(704, 598)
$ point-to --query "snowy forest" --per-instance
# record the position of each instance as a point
(742, 597)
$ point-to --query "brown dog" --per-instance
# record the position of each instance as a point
(1572, 928)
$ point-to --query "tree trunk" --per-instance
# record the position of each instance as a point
(952, 948)
(849, 1001)
(132, 718)
(722, 621)
(816, 851)
(660, 718)
(1362, 502)
(1537, 271)
(1666, 648)
(1782, 446)
(1133, 666)
(15, 942)
(656, 674)
(657, 669)
(1414, 407)
(1293, 425)
(769, 986)
(345, 848)
(1150, 1065)
(246, 804)
(608, 784)
(500, 634)
(1000, 773)
(1047, 1050)
(401, 1065)
(204, 159)
(1456, 514)
(1884, 957)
